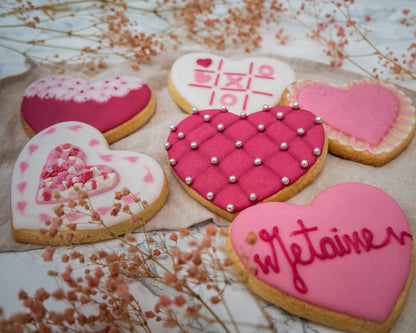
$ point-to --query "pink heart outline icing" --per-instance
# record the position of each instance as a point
(302, 250)
(255, 183)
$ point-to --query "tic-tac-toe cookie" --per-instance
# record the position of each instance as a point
(344, 260)
(229, 162)
(367, 121)
(68, 157)
(205, 81)
(115, 106)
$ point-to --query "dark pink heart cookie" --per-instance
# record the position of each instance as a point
(115, 106)
(231, 162)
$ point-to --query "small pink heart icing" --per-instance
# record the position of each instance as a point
(204, 62)
(103, 104)
(349, 251)
(201, 77)
(236, 161)
(65, 169)
(363, 111)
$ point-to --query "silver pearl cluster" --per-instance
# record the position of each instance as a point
(284, 146)
(300, 131)
(194, 145)
(194, 110)
(243, 115)
(207, 117)
(223, 108)
(220, 127)
(181, 135)
(258, 161)
(261, 128)
(295, 106)
(239, 144)
(280, 115)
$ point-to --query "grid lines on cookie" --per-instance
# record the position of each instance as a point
(258, 165)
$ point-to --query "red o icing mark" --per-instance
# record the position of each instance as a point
(23, 166)
(21, 206)
(228, 99)
(94, 142)
(21, 187)
(204, 62)
(328, 248)
(65, 172)
(201, 77)
(32, 149)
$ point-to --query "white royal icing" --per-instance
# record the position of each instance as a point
(68, 87)
(206, 80)
(137, 172)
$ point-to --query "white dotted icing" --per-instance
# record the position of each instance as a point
(68, 87)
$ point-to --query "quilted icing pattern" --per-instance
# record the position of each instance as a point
(235, 161)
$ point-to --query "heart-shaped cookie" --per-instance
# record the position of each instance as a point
(205, 80)
(367, 121)
(230, 162)
(115, 106)
(72, 156)
(344, 260)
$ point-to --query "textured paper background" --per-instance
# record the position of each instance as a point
(398, 178)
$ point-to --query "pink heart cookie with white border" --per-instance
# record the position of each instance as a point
(72, 156)
(230, 162)
(115, 106)
(367, 121)
(205, 80)
(344, 260)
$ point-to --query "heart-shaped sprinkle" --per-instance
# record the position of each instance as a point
(65, 173)
(349, 251)
(204, 80)
(104, 104)
(233, 162)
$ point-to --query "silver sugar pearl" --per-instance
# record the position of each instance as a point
(207, 117)
(295, 105)
(181, 135)
(300, 131)
(210, 196)
(243, 115)
(304, 164)
(167, 145)
(261, 127)
(280, 115)
(172, 161)
(317, 152)
(194, 145)
(194, 110)
(232, 179)
(258, 161)
(239, 144)
(318, 120)
(223, 108)
(285, 180)
(253, 197)
(230, 208)
(284, 146)
(220, 127)
(266, 107)
(172, 128)
(188, 180)
(214, 160)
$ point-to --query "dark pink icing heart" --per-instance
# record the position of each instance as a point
(204, 62)
(65, 169)
(365, 112)
(238, 161)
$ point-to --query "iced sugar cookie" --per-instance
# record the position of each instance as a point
(205, 80)
(367, 121)
(345, 260)
(115, 106)
(229, 162)
(71, 155)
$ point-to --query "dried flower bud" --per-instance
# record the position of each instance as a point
(251, 238)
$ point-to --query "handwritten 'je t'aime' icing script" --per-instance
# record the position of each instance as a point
(328, 247)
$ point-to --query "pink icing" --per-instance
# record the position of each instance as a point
(264, 179)
(103, 104)
(350, 250)
(65, 170)
(365, 111)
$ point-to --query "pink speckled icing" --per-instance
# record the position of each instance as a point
(103, 104)
(263, 179)
(368, 115)
(349, 250)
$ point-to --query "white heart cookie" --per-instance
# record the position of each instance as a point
(205, 80)
(73, 154)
